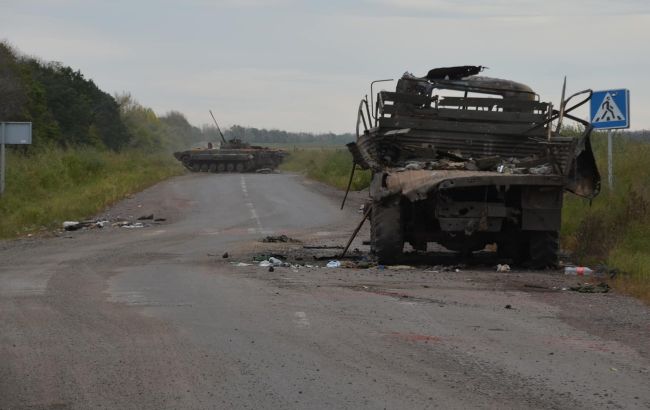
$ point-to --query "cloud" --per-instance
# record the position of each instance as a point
(510, 8)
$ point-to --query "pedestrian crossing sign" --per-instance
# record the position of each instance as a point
(610, 109)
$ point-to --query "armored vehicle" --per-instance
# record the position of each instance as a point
(465, 160)
(231, 156)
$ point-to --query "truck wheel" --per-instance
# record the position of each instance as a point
(239, 167)
(221, 167)
(213, 167)
(196, 167)
(230, 167)
(386, 231)
(544, 248)
(204, 167)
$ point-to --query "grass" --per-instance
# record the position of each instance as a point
(52, 185)
(613, 229)
(328, 165)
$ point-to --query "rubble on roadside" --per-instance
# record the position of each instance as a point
(279, 239)
(456, 161)
(116, 223)
(601, 287)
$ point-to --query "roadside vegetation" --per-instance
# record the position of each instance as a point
(329, 165)
(51, 185)
(614, 229)
(89, 149)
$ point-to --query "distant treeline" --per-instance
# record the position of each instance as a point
(68, 110)
(638, 135)
(277, 136)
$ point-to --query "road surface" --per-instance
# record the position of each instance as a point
(155, 318)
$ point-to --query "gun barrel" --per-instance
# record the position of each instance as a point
(218, 129)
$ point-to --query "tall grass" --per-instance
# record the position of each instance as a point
(51, 185)
(614, 229)
(328, 165)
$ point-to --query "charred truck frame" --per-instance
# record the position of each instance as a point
(486, 165)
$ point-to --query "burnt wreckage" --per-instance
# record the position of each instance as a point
(486, 163)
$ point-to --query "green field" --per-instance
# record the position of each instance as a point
(611, 230)
(329, 165)
(51, 185)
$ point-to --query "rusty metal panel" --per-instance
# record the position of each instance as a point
(465, 115)
(431, 124)
(417, 184)
(495, 103)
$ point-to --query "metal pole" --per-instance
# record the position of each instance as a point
(610, 161)
(2, 160)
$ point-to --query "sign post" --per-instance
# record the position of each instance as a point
(610, 110)
(12, 133)
(2, 160)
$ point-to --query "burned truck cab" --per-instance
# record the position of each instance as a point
(465, 160)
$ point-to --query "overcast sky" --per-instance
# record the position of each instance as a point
(304, 65)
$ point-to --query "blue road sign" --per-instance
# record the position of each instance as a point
(610, 109)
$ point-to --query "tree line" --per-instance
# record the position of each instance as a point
(68, 110)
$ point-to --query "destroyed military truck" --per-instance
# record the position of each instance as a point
(465, 160)
(231, 156)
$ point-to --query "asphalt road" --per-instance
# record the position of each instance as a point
(155, 318)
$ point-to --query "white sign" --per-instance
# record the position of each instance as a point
(19, 133)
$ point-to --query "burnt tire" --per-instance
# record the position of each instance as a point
(544, 247)
(386, 230)
(239, 167)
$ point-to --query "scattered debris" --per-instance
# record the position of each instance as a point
(400, 267)
(503, 268)
(280, 238)
(275, 261)
(578, 271)
(160, 219)
(363, 264)
(241, 264)
(544, 169)
(225, 255)
(602, 287)
(264, 171)
(271, 269)
(272, 261)
(333, 264)
(322, 247)
(263, 257)
(71, 225)
(508, 307)
(146, 217)
(449, 268)
(130, 225)
(101, 224)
